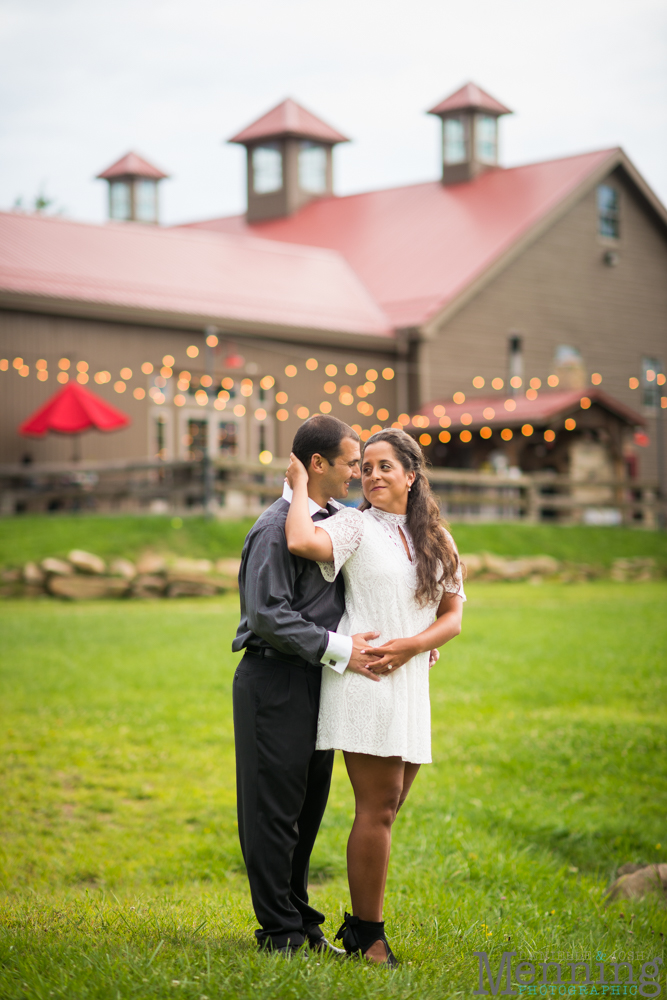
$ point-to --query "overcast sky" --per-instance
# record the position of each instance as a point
(84, 81)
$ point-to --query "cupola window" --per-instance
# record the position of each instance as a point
(133, 189)
(455, 141)
(487, 139)
(145, 193)
(470, 133)
(289, 156)
(267, 168)
(120, 201)
(312, 168)
(608, 211)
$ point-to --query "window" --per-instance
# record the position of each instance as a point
(515, 359)
(197, 439)
(608, 211)
(160, 445)
(312, 168)
(267, 168)
(455, 141)
(227, 439)
(651, 368)
(121, 206)
(487, 138)
(145, 195)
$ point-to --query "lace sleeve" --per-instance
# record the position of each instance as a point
(454, 585)
(346, 529)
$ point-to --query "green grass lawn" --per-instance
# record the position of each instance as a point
(35, 537)
(121, 875)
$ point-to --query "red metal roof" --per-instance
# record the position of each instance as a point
(210, 277)
(472, 97)
(289, 119)
(417, 248)
(72, 410)
(132, 165)
(550, 405)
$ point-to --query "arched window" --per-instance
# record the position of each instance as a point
(267, 168)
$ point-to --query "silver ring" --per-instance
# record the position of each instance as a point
(390, 668)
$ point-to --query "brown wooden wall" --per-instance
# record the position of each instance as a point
(112, 346)
(560, 291)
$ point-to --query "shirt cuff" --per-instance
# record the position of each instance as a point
(338, 652)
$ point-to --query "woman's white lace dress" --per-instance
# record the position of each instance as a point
(392, 717)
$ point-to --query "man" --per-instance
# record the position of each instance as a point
(289, 615)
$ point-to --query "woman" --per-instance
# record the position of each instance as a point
(401, 572)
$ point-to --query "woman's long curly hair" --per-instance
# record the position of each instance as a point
(437, 560)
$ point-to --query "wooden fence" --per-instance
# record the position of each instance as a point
(233, 489)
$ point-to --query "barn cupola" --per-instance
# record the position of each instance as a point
(289, 160)
(133, 189)
(469, 133)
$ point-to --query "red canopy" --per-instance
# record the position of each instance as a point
(72, 410)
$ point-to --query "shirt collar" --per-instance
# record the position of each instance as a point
(313, 508)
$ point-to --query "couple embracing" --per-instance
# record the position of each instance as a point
(341, 612)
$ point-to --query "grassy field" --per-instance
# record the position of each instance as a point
(121, 872)
(34, 537)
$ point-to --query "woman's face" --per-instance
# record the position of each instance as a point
(384, 480)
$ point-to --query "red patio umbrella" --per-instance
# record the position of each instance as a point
(72, 411)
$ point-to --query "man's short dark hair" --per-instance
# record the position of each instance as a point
(321, 435)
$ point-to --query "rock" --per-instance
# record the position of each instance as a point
(85, 588)
(506, 569)
(32, 573)
(148, 586)
(543, 565)
(637, 569)
(228, 567)
(192, 588)
(191, 566)
(124, 568)
(150, 564)
(635, 885)
(57, 566)
(11, 583)
(86, 562)
(473, 564)
(495, 567)
(628, 869)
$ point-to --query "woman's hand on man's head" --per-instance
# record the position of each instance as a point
(296, 471)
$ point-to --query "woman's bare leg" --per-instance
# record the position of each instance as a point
(380, 785)
(409, 775)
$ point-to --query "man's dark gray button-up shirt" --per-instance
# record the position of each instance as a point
(285, 601)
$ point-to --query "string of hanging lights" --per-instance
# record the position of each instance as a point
(236, 393)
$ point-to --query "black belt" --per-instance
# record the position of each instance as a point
(268, 652)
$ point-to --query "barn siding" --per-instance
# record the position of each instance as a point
(559, 291)
(111, 346)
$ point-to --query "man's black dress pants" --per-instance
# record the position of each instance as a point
(282, 786)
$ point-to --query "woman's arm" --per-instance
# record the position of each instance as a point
(445, 627)
(303, 537)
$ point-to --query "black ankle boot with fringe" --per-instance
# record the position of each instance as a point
(358, 935)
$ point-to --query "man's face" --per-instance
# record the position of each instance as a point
(336, 479)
